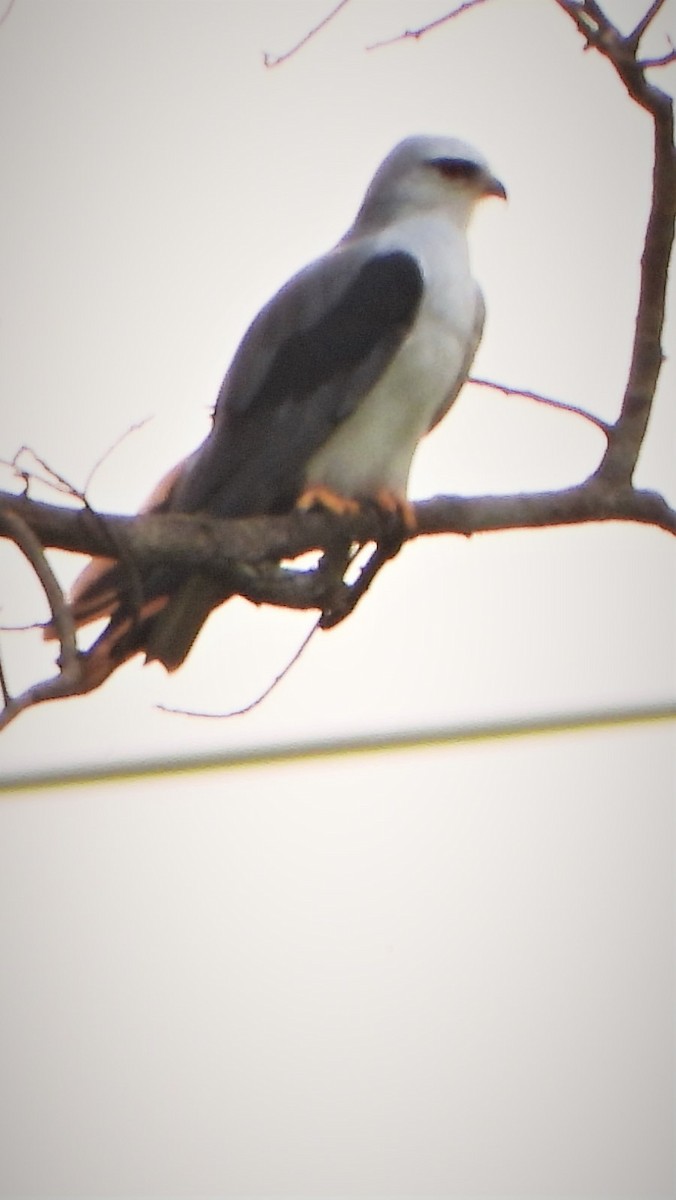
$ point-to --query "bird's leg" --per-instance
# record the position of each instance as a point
(331, 570)
(346, 596)
(399, 523)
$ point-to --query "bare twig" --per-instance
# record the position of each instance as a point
(424, 29)
(6, 698)
(111, 450)
(563, 405)
(646, 63)
(51, 477)
(13, 526)
(273, 60)
(112, 547)
(595, 11)
(247, 708)
(67, 682)
(21, 628)
(592, 501)
(626, 437)
(118, 547)
(633, 39)
(10, 6)
(54, 479)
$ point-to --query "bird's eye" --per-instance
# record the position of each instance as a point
(457, 168)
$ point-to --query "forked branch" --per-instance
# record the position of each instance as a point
(626, 436)
(67, 682)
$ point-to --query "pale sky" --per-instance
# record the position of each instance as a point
(446, 973)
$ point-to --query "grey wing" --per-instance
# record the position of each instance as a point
(472, 347)
(304, 365)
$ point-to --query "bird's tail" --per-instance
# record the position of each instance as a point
(163, 624)
(172, 632)
(155, 613)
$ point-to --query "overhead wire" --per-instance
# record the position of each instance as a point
(344, 746)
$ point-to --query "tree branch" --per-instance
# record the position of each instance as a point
(626, 436)
(423, 29)
(246, 553)
(4, 16)
(257, 700)
(273, 60)
(663, 61)
(68, 681)
(636, 34)
(244, 556)
(562, 405)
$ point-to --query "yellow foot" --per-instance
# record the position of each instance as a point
(323, 497)
(394, 504)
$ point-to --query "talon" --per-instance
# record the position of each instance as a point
(396, 505)
(323, 497)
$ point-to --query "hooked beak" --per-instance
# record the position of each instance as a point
(493, 187)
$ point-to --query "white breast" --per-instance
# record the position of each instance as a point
(374, 447)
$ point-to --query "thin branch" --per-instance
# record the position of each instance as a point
(590, 502)
(591, 21)
(625, 441)
(116, 548)
(646, 63)
(596, 12)
(13, 526)
(21, 628)
(636, 34)
(67, 682)
(273, 60)
(111, 450)
(247, 708)
(563, 405)
(626, 436)
(6, 697)
(7, 11)
(52, 478)
(424, 29)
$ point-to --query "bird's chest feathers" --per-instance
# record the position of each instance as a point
(433, 353)
(447, 314)
(373, 448)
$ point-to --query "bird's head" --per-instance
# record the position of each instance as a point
(427, 174)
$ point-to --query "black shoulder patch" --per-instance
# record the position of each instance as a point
(254, 459)
(382, 299)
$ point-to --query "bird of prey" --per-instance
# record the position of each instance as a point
(334, 384)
